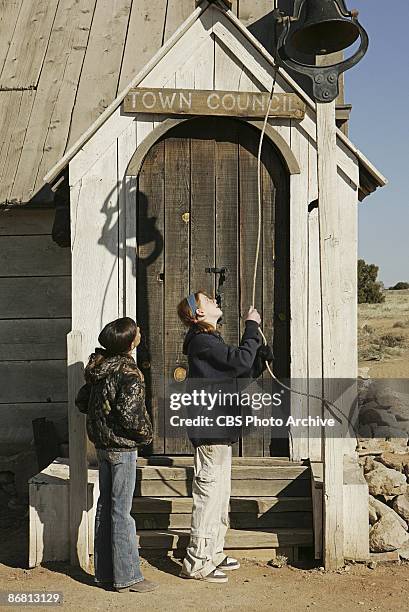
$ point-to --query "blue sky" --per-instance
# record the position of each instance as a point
(378, 89)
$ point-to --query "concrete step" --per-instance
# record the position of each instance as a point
(240, 520)
(174, 539)
(246, 505)
(187, 460)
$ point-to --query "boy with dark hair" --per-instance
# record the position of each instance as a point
(113, 399)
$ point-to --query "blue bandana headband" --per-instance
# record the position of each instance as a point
(191, 300)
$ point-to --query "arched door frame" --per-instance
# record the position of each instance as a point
(275, 138)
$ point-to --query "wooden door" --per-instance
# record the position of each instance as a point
(197, 208)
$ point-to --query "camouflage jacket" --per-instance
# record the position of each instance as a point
(113, 399)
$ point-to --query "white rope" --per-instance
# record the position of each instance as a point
(257, 255)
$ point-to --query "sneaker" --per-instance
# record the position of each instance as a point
(139, 587)
(228, 564)
(214, 576)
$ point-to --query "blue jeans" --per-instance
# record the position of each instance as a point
(116, 556)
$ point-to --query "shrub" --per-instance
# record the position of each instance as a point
(391, 341)
(399, 286)
(369, 289)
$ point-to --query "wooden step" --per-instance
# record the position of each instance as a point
(238, 472)
(172, 539)
(240, 520)
(187, 460)
(247, 488)
(253, 505)
(287, 485)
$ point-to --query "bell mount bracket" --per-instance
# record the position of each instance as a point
(324, 78)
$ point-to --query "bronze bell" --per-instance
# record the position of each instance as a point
(327, 27)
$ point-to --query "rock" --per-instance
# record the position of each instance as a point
(385, 481)
(363, 373)
(404, 553)
(377, 510)
(387, 534)
(365, 431)
(369, 464)
(397, 461)
(401, 506)
(384, 431)
(396, 445)
(377, 416)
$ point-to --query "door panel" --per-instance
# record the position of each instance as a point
(198, 199)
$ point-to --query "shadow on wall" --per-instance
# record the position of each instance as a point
(132, 263)
(265, 31)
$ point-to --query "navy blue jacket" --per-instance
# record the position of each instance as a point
(210, 358)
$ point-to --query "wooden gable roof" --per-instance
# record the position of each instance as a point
(58, 85)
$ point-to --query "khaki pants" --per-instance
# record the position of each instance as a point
(210, 513)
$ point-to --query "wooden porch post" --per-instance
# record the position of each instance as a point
(329, 214)
(78, 515)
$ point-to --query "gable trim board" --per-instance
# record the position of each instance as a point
(230, 31)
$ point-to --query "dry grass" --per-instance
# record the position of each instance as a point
(383, 335)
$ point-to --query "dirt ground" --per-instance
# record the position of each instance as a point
(256, 586)
(383, 336)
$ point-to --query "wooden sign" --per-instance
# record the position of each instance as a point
(209, 102)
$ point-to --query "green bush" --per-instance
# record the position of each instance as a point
(399, 286)
(369, 289)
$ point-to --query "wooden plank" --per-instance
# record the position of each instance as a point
(21, 415)
(177, 12)
(26, 222)
(227, 211)
(317, 477)
(126, 143)
(254, 505)
(186, 101)
(253, 10)
(202, 212)
(252, 443)
(299, 291)
(94, 238)
(9, 12)
(356, 501)
(256, 16)
(111, 110)
(52, 297)
(14, 119)
(144, 37)
(33, 381)
(49, 522)
(33, 256)
(150, 279)
(314, 310)
(166, 473)
(177, 237)
(227, 75)
(25, 56)
(50, 123)
(237, 521)
(270, 171)
(102, 64)
(235, 538)
(266, 488)
(78, 526)
(31, 339)
(332, 327)
(199, 30)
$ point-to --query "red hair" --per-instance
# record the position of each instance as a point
(188, 319)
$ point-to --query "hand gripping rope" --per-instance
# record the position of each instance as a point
(308, 395)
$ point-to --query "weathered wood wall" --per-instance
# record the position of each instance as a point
(35, 317)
